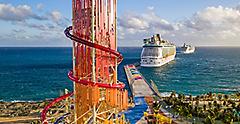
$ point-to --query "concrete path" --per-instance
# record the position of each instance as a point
(137, 84)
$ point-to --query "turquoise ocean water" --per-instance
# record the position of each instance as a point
(30, 74)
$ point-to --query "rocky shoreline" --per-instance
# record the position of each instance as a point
(17, 111)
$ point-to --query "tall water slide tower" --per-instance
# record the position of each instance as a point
(98, 96)
(101, 96)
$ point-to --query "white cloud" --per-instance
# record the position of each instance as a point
(58, 19)
(40, 6)
(211, 26)
(31, 28)
(18, 13)
(215, 17)
(56, 16)
(215, 25)
(150, 8)
(134, 27)
(238, 7)
(18, 30)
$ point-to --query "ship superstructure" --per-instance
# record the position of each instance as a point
(187, 48)
(157, 52)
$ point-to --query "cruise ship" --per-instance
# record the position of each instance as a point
(157, 52)
(187, 49)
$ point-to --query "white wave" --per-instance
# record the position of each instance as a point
(165, 94)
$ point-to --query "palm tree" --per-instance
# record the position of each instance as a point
(235, 115)
(184, 97)
(226, 97)
(191, 99)
(227, 118)
(220, 97)
(181, 97)
(224, 103)
(201, 114)
(204, 107)
(218, 107)
(179, 110)
(214, 96)
(197, 97)
(210, 105)
(197, 103)
(238, 95)
(209, 120)
(210, 96)
(238, 107)
(233, 105)
(173, 94)
(215, 103)
(204, 98)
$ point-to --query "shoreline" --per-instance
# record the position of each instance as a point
(27, 101)
(29, 111)
(163, 94)
(23, 112)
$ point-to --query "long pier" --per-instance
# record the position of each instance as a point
(137, 83)
(140, 89)
(141, 92)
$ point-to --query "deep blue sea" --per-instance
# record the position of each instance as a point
(31, 74)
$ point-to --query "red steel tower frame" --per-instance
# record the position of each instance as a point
(98, 95)
(95, 21)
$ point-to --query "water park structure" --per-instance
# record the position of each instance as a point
(98, 96)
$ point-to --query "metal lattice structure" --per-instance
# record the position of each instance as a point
(98, 95)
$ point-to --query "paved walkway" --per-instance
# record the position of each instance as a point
(166, 113)
(137, 84)
(18, 120)
(136, 113)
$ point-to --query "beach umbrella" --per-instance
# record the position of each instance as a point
(137, 78)
(135, 73)
(131, 65)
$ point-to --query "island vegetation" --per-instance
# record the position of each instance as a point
(208, 108)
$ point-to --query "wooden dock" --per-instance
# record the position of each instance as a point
(137, 83)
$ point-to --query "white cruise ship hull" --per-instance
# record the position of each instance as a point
(189, 51)
(158, 62)
(157, 52)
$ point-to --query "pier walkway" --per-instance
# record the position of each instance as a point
(139, 89)
(138, 85)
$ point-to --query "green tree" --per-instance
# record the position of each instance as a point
(226, 97)
(210, 105)
(215, 103)
(173, 94)
(204, 107)
(209, 120)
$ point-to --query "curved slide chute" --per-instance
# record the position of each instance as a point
(61, 118)
(44, 111)
(93, 45)
(84, 82)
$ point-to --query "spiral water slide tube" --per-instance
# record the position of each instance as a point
(84, 82)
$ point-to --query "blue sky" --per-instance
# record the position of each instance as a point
(172, 9)
(199, 22)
